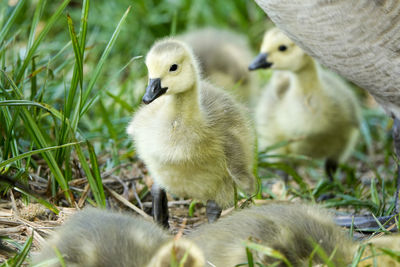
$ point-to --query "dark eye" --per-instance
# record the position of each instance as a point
(173, 67)
(282, 48)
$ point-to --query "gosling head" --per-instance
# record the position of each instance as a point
(172, 69)
(279, 52)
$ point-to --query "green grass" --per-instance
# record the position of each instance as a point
(18, 259)
(40, 122)
(72, 73)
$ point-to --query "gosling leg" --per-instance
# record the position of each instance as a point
(331, 166)
(396, 142)
(213, 211)
(160, 205)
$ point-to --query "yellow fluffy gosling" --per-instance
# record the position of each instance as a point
(97, 238)
(223, 56)
(304, 103)
(194, 138)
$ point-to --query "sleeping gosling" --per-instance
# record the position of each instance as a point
(292, 229)
(194, 138)
(223, 57)
(98, 238)
(304, 103)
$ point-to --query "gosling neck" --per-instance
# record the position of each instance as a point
(307, 77)
(185, 105)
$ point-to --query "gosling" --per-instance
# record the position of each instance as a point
(223, 57)
(97, 238)
(293, 230)
(194, 138)
(304, 103)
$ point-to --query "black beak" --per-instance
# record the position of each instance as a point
(153, 91)
(260, 62)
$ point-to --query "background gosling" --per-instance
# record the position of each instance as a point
(304, 103)
(195, 139)
(223, 57)
(97, 238)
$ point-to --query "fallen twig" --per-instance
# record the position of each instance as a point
(128, 204)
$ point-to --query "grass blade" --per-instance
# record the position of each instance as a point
(83, 27)
(36, 17)
(38, 199)
(11, 141)
(11, 20)
(122, 102)
(82, 44)
(357, 257)
(43, 106)
(37, 136)
(97, 190)
(267, 251)
(104, 56)
(395, 255)
(374, 193)
(39, 39)
(107, 121)
(19, 259)
(34, 152)
(192, 206)
(96, 172)
(250, 260)
(77, 49)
